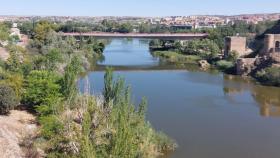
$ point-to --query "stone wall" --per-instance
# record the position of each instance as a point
(244, 66)
(275, 57)
(271, 44)
(235, 43)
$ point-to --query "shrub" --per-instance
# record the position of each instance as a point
(269, 76)
(14, 80)
(233, 55)
(8, 99)
(42, 89)
(207, 49)
(224, 65)
(50, 126)
(177, 57)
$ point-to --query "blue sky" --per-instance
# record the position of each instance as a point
(136, 7)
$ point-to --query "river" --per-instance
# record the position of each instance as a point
(209, 114)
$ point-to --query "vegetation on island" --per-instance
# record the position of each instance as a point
(42, 78)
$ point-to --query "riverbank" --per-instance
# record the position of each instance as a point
(178, 58)
(269, 76)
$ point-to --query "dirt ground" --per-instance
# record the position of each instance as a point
(4, 54)
(13, 129)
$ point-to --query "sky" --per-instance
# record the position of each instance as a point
(137, 7)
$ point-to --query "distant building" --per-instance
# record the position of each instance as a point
(237, 44)
(179, 27)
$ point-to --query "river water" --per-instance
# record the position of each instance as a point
(209, 114)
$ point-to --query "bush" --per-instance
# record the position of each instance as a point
(42, 89)
(8, 99)
(177, 57)
(233, 55)
(269, 76)
(50, 126)
(224, 65)
(206, 49)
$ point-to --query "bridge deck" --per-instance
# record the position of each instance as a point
(139, 35)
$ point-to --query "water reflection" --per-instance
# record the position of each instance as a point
(128, 52)
(267, 98)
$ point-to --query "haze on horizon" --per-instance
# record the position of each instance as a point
(136, 7)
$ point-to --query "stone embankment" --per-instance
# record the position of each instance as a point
(247, 66)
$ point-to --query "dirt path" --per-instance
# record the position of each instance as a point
(12, 129)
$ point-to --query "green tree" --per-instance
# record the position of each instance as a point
(42, 91)
(27, 28)
(233, 55)
(205, 48)
(53, 58)
(4, 32)
(8, 99)
(72, 71)
(41, 31)
(14, 80)
(13, 63)
(125, 28)
(144, 28)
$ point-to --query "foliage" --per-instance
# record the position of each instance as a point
(233, 55)
(8, 99)
(156, 43)
(42, 91)
(144, 28)
(53, 58)
(27, 28)
(205, 48)
(72, 70)
(50, 125)
(119, 130)
(122, 130)
(111, 89)
(4, 32)
(269, 76)
(224, 65)
(13, 63)
(99, 48)
(125, 28)
(14, 80)
(177, 57)
(42, 29)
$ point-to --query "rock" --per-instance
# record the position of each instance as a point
(204, 64)
(275, 58)
(244, 66)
